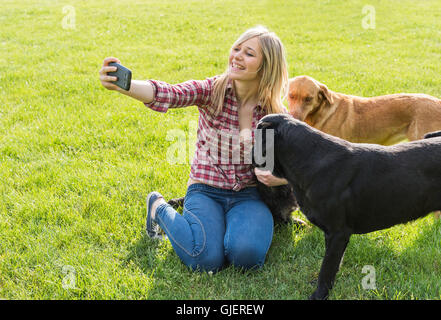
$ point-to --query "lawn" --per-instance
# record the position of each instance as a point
(77, 161)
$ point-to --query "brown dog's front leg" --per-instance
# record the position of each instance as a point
(335, 247)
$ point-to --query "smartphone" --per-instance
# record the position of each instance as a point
(124, 76)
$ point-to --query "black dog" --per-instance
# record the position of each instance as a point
(346, 188)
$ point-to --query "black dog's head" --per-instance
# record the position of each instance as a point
(265, 141)
(273, 121)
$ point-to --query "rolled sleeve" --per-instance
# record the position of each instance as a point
(189, 93)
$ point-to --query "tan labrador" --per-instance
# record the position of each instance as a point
(382, 120)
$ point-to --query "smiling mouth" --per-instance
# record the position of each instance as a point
(237, 67)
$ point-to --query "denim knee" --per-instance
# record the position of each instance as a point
(245, 255)
(206, 262)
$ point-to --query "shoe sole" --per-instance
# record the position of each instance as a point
(151, 233)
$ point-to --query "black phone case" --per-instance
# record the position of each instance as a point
(123, 74)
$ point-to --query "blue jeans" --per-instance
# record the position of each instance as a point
(217, 227)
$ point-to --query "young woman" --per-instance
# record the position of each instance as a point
(224, 220)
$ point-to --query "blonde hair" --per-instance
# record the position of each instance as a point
(273, 72)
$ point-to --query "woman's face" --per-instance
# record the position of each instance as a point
(245, 60)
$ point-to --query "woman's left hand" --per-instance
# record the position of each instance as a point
(268, 179)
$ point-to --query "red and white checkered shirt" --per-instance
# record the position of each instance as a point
(221, 159)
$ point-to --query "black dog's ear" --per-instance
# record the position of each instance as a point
(432, 135)
(264, 125)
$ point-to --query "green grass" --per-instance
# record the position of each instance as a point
(76, 161)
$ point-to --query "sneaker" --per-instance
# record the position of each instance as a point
(152, 228)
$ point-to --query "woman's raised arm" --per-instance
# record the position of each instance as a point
(140, 90)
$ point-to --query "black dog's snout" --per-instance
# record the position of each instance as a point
(263, 149)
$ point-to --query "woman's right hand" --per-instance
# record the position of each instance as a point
(107, 81)
(140, 90)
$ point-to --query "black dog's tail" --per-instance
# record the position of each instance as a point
(432, 134)
(176, 203)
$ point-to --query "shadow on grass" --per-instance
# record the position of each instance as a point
(293, 264)
(412, 272)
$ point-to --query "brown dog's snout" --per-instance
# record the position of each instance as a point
(294, 107)
(295, 100)
(292, 104)
(296, 113)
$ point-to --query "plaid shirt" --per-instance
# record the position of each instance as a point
(221, 159)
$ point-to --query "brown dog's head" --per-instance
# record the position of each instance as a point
(306, 96)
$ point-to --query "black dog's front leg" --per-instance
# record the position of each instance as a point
(335, 247)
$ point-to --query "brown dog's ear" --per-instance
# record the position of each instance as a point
(325, 93)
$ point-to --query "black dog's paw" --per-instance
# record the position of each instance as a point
(298, 223)
(291, 221)
(318, 295)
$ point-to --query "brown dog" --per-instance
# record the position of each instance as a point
(382, 120)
